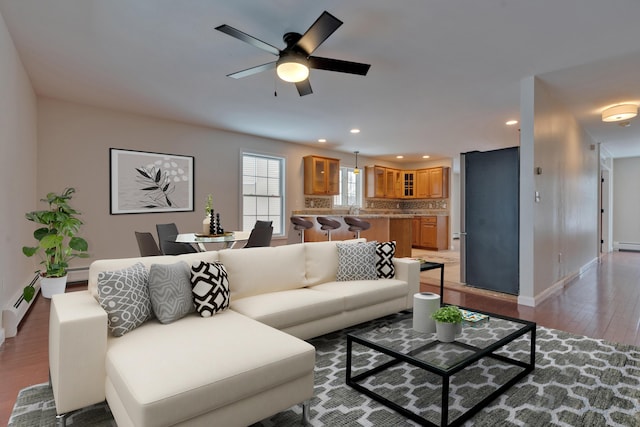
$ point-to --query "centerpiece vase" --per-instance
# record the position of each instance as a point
(205, 224)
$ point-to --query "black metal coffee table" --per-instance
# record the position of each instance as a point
(396, 343)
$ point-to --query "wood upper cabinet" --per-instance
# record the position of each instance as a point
(393, 184)
(376, 184)
(409, 184)
(422, 183)
(390, 183)
(432, 183)
(321, 176)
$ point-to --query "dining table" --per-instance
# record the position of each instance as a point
(228, 240)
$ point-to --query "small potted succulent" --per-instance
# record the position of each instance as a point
(57, 242)
(448, 321)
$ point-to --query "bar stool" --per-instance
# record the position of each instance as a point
(356, 224)
(328, 224)
(301, 224)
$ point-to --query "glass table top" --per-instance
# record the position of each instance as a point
(399, 337)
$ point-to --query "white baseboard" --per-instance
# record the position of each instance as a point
(626, 246)
(1, 336)
(556, 287)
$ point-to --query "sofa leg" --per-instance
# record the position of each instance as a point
(306, 421)
(61, 420)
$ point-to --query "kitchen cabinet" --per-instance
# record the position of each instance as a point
(433, 232)
(432, 183)
(383, 229)
(415, 232)
(383, 182)
(321, 176)
(375, 181)
(390, 183)
(393, 184)
(409, 184)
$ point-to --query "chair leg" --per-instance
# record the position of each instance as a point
(306, 419)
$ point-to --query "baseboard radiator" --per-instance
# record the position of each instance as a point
(626, 246)
(13, 314)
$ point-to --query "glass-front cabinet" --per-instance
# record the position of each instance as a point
(321, 176)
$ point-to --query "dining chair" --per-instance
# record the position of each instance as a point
(167, 234)
(260, 235)
(147, 244)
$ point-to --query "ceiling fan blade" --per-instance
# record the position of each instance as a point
(233, 32)
(318, 32)
(304, 87)
(338, 65)
(253, 70)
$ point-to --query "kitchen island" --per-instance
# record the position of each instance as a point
(384, 228)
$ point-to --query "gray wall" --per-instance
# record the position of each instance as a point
(565, 220)
(17, 170)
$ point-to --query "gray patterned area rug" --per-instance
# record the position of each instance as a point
(578, 381)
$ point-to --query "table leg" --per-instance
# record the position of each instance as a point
(442, 285)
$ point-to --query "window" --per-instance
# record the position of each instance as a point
(350, 188)
(262, 191)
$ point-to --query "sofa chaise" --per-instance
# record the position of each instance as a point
(234, 368)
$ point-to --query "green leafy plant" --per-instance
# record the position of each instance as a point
(447, 314)
(209, 206)
(57, 240)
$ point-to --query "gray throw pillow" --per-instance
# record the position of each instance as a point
(170, 291)
(356, 261)
(124, 295)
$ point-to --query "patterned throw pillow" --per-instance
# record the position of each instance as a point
(356, 261)
(170, 291)
(210, 287)
(124, 295)
(385, 252)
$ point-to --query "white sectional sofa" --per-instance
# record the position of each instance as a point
(232, 369)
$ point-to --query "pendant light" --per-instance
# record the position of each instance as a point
(356, 171)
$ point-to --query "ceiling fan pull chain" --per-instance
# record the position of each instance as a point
(275, 86)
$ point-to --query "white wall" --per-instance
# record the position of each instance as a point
(626, 200)
(565, 220)
(17, 170)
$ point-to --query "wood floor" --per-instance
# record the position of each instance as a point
(603, 303)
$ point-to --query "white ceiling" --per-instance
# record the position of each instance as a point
(444, 75)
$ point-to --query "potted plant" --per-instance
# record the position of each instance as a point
(448, 321)
(57, 242)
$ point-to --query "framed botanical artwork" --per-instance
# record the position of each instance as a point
(144, 182)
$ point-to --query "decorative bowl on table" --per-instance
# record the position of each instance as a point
(226, 234)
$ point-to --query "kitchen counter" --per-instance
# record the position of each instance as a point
(384, 227)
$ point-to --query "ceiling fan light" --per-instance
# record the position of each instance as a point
(619, 112)
(292, 68)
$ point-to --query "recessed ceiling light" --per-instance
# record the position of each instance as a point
(511, 122)
(399, 157)
(322, 140)
(425, 157)
(355, 131)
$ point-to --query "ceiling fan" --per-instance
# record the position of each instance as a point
(295, 60)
